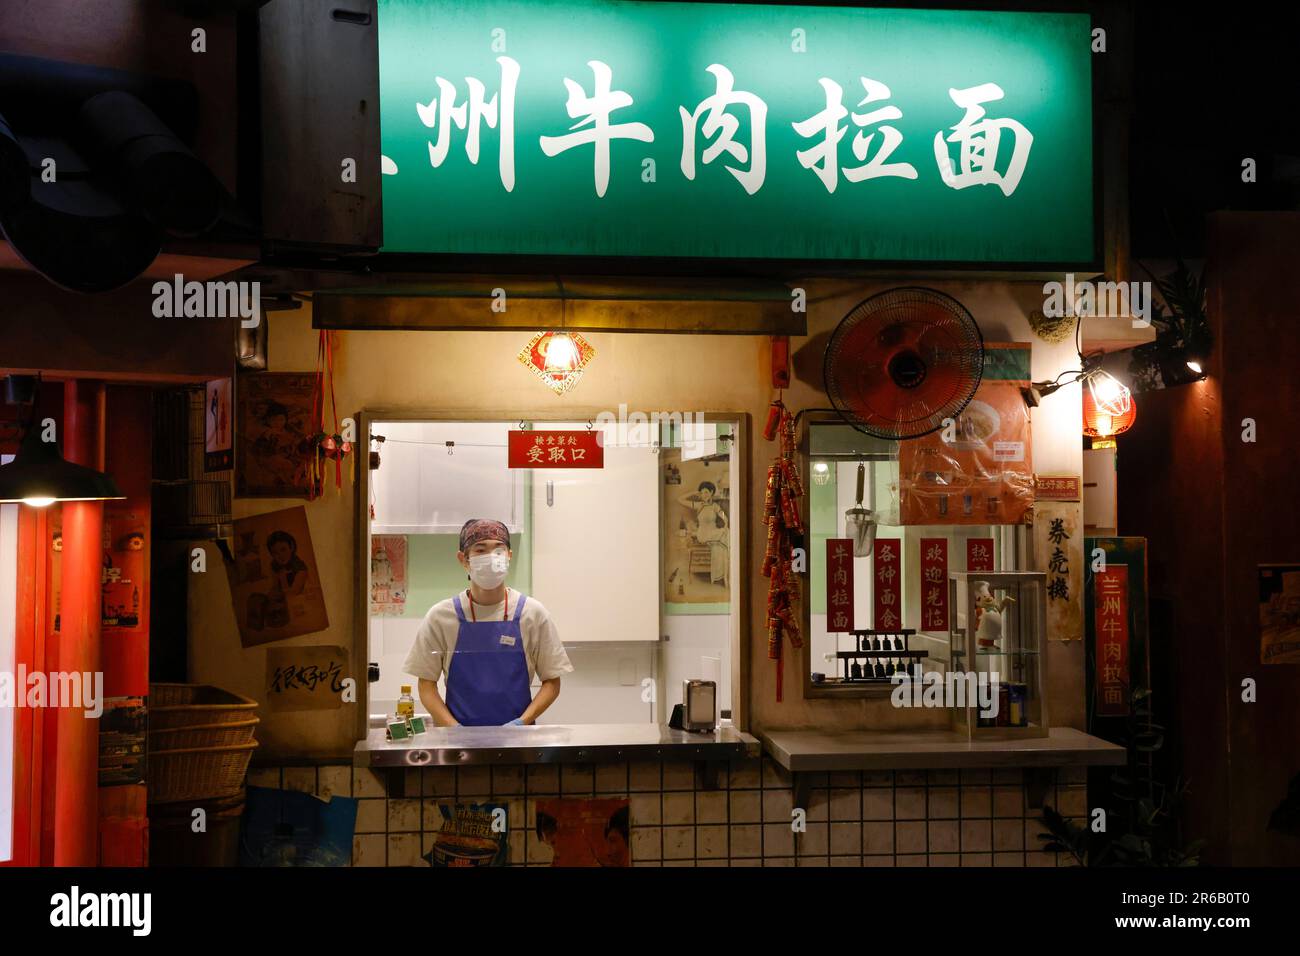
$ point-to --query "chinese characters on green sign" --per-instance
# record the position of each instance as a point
(735, 131)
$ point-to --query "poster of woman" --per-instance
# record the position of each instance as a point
(274, 451)
(697, 529)
(274, 582)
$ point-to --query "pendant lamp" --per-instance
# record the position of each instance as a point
(561, 353)
(39, 476)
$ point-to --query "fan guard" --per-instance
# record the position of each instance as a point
(902, 361)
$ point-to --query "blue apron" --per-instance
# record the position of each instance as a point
(487, 680)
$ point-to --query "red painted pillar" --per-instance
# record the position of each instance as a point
(76, 798)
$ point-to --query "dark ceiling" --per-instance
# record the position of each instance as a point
(1214, 84)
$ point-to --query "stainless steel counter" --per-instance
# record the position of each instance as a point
(551, 743)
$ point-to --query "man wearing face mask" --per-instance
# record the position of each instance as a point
(489, 640)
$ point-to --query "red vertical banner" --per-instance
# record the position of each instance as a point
(1110, 596)
(839, 584)
(934, 584)
(979, 554)
(887, 568)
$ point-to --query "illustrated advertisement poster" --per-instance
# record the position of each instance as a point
(979, 470)
(218, 422)
(594, 832)
(274, 580)
(305, 677)
(1279, 613)
(274, 415)
(471, 834)
(122, 741)
(1058, 550)
(697, 530)
(388, 575)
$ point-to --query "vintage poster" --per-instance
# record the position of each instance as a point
(697, 529)
(586, 832)
(288, 828)
(274, 427)
(274, 580)
(388, 575)
(471, 834)
(305, 677)
(124, 596)
(122, 743)
(218, 426)
(1279, 613)
(1058, 551)
(980, 470)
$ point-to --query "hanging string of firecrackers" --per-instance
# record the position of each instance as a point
(784, 532)
(325, 445)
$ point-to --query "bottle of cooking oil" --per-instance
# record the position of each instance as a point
(406, 703)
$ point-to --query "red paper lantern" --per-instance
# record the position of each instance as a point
(1098, 423)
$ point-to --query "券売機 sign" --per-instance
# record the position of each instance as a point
(585, 128)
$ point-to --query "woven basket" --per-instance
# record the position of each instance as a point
(199, 773)
(202, 736)
(196, 705)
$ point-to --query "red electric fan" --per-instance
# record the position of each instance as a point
(902, 362)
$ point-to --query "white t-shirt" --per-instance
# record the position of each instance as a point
(435, 642)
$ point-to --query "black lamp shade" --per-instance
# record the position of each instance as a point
(38, 471)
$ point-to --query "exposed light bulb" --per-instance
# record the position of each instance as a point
(1195, 366)
(38, 502)
(1111, 396)
(561, 353)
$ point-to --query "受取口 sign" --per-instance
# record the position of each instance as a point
(578, 127)
(555, 449)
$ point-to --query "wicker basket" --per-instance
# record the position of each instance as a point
(172, 706)
(199, 773)
(202, 736)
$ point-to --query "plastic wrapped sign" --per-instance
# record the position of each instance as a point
(979, 471)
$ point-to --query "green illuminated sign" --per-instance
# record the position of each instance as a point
(575, 127)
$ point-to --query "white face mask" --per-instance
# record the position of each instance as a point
(489, 571)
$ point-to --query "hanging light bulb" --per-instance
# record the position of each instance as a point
(561, 353)
(1109, 394)
(1099, 423)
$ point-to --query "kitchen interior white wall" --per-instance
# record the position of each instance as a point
(8, 665)
(420, 479)
(691, 639)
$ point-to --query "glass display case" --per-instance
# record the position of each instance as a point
(998, 653)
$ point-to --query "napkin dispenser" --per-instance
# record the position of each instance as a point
(699, 705)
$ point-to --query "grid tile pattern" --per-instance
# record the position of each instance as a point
(871, 818)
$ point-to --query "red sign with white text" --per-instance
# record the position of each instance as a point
(839, 585)
(1110, 596)
(979, 554)
(934, 584)
(887, 569)
(556, 449)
